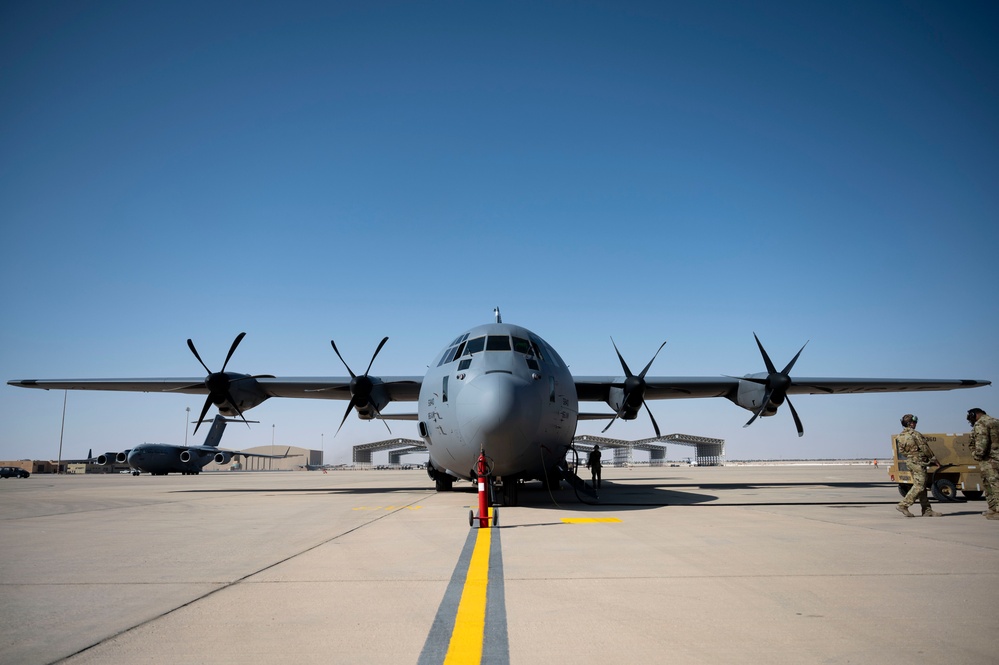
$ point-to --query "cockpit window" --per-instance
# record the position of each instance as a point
(454, 350)
(545, 352)
(497, 343)
(475, 345)
(521, 345)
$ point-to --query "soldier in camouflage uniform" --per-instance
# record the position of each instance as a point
(985, 449)
(917, 456)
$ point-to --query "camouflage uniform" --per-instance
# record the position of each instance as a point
(985, 449)
(917, 456)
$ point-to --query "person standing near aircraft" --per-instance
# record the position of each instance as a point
(918, 456)
(593, 461)
(985, 449)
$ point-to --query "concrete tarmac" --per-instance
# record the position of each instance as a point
(734, 564)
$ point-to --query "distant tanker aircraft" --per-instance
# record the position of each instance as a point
(501, 390)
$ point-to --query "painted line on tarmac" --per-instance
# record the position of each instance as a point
(470, 626)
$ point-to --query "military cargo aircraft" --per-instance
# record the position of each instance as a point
(502, 390)
(160, 459)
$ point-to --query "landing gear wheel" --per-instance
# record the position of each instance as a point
(944, 490)
(509, 490)
(443, 484)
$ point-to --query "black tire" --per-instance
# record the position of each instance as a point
(471, 518)
(495, 516)
(944, 490)
(973, 495)
(510, 493)
(904, 488)
(443, 484)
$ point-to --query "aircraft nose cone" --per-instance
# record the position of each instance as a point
(495, 409)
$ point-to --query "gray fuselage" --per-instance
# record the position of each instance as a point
(502, 390)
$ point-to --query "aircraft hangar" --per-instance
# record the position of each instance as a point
(707, 451)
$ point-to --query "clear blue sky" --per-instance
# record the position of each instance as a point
(692, 171)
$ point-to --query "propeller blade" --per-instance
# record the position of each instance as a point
(229, 398)
(646, 370)
(777, 384)
(204, 410)
(763, 405)
(232, 349)
(361, 386)
(624, 365)
(609, 424)
(375, 355)
(350, 407)
(795, 359)
(337, 351)
(218, 382)
(633, 386)
(766, 359)
(655, 425)
(195, 352)
(797, 420)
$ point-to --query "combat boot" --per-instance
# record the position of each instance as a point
(992, 516)
(904, 510)
(929, 512)
(988, 512)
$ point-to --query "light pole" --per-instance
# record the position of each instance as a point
(272, 436)
(62, 430)
(187, 420)
(322, 447)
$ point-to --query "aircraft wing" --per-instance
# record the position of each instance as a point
(598, 388)
(398, 388)
(211, 450)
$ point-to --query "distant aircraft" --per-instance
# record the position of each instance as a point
(160, 459)
(501, 390)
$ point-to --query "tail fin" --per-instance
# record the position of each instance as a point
(215, 433)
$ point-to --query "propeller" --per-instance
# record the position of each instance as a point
(634, 390)
(218, 383)
(777, 385)
(361, 387)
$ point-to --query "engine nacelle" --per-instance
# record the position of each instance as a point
(615, 399)
(106, 458)
(749, 396)
(246, 392)
(186, 456)
(122, 457)
(223, 457)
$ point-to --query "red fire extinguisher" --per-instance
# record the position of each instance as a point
(482, 470)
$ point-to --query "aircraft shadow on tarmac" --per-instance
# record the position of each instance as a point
(635, 494)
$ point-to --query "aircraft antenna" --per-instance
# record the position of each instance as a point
(499, 319)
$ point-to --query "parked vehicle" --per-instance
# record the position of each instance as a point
(958, 470)
(13, 472)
